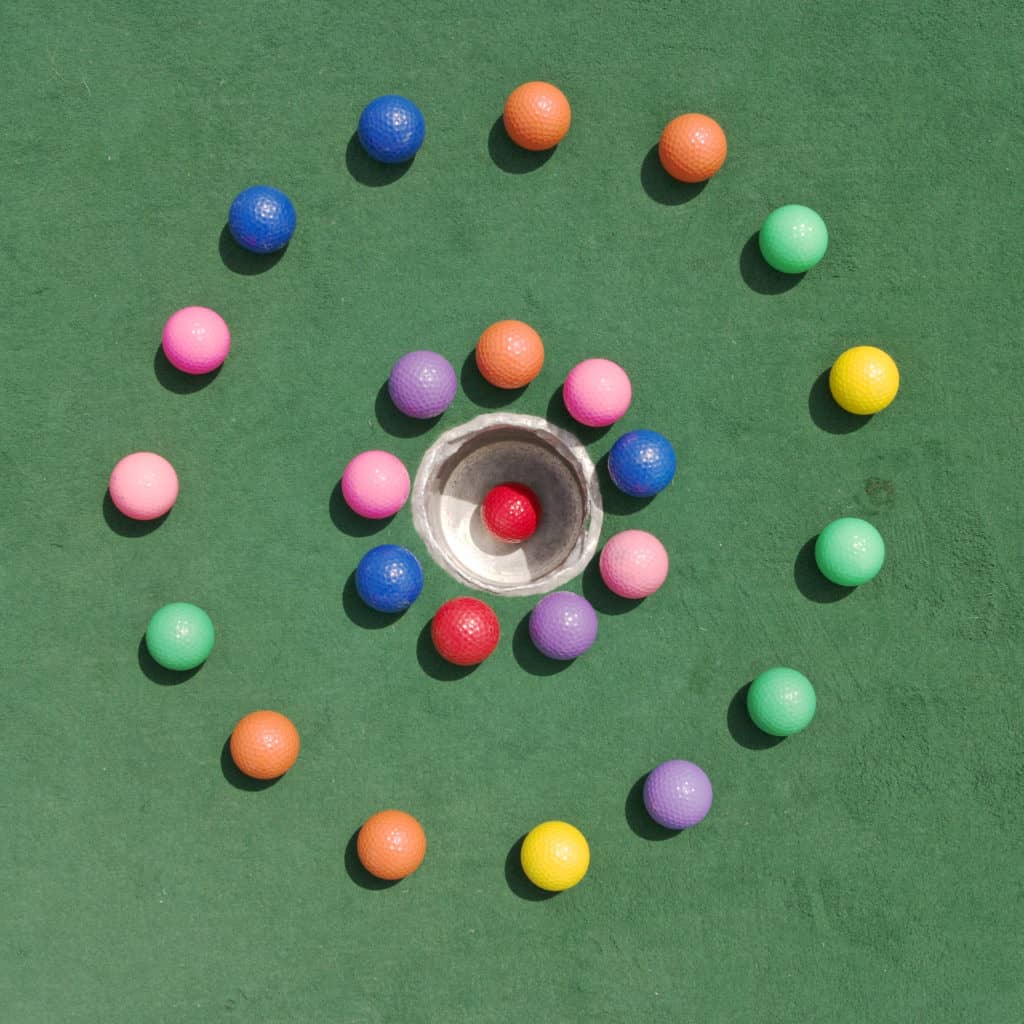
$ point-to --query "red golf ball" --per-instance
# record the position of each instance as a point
(465, 631)
(511, 512)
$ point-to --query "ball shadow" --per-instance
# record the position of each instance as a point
(368, 171)
(826, 413)
(560, 416)
(759, 276)
(616, 502)
(529, 658)
(348, 521)
(359, 874)
(480, 390)
(394, 421)
(742, 727)
(605, 601)
(241, 261)
(123, 526)
(239, 779)
(516, 878)
(156, 673)
(509, 157)
(360, 613)
(175, 380)
(811, 583)
(433, 664)
(642, 824)
(661, 186)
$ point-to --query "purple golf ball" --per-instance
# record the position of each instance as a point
(422, 384)
(677, 794)
(563, 625)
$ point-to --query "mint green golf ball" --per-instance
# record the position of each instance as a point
(849, 552)
(781, 701)
(180, 636)
(793, 239)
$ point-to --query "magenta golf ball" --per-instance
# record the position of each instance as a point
(563, 625)
(597, 392)
(634, 564)
(196, 340)
(677, 794)
(375, 484)
(422, 384)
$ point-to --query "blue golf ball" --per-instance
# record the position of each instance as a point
(262, 219)
(642, 463)
(391, 129)
(389, 578)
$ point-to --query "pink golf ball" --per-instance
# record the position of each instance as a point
(597, 392)
(143, 485)
(196, 340)
(634, 564)
(375, 484)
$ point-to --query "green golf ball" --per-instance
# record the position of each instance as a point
(849, 552)
(793, 239)
(180, 636)
(781, 701)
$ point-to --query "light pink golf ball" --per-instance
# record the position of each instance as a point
(375, 484)
(597, 392)
(143, 485)
(196, 340)
(634, 564)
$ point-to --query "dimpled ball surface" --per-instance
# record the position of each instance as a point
(375, 484)
(849, 552)
(465, 631)
(537, 115)
(180, 636)
(391, 129)
(781, 701)
(511, 512)
(422, 384)
(864, 380)
(793, 239)
(391, 845)
(692, 148)
(196, 340)
(262, 219)
(143, 486)
(389, 578)
(597, 392)
(634, 564)
(509, 354)
(555, 856)
(642, 463)
(264, 745)
(563, 625)
(677, 794)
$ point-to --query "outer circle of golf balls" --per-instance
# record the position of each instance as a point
(634, 564)
(375, 484)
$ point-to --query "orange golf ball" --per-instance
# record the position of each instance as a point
(264, 744)
(692, 147)
(391, 845)
(537, 115)
(509, 354)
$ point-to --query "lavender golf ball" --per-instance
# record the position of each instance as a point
(563, 625)
(677, 794)
(422, 384)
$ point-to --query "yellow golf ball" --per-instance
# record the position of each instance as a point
(555, 856)
(864, 380)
